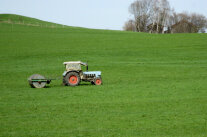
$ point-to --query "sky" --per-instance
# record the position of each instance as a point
(98, 14)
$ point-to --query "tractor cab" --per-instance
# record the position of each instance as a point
(75, 65)
(74, 74)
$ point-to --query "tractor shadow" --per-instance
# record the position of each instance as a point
(47, 86)
(61, 85)
(85, 84)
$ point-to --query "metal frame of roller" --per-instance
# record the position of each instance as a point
(38, 81)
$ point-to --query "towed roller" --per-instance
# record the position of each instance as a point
(38, 81)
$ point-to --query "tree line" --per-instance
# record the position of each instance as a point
(156, 16)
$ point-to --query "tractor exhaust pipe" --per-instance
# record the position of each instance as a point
(87, 66)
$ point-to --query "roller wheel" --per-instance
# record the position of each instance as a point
(72, 79)
(98, 81)
(36, 84)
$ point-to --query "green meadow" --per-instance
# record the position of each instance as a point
(154, 85)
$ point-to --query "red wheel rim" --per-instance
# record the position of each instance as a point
(98, 82)
(73, 79)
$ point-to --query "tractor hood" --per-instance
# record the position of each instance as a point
(97, 73)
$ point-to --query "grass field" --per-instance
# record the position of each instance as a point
(154, 85)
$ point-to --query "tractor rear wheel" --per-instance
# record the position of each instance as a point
(98, 81)
(72, 79)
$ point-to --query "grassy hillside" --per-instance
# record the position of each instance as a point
(28, 21)
(154, 85)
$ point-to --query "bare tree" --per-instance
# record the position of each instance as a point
(183, 16)
(196, 19)
(156, 15)
(150, 12)
(141, 10)
(173, 18)
(165, 13)
(129, 26)
(161, 14)
(199, 21)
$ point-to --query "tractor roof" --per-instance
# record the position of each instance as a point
(75, 62)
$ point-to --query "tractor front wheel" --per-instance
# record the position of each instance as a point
(98, 81)
(72, 79)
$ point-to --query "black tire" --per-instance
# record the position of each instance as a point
(64, 82)
(72, 79)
